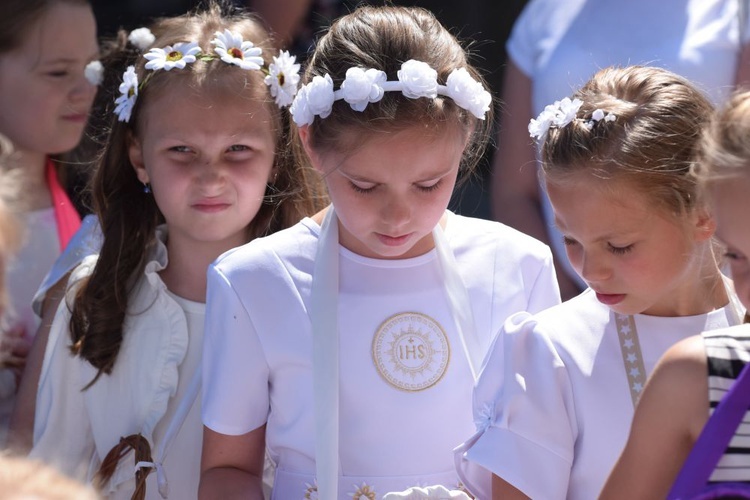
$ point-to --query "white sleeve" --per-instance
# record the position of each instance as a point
(523, 408)
(62, 430)
(235, 372)
(522, 44)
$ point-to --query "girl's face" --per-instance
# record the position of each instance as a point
(392, 190)
(44, 96)
(730, 203)
(635, 256)
(208, 160)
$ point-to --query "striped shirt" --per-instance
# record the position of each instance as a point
(727, 351)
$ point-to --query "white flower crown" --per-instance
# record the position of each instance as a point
(360, 87)
(282, 75)
(560, 113)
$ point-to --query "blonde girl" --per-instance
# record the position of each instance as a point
(193, 167)
(556, 398)
(349, 344)
(695, 374)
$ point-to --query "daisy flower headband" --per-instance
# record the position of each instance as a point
(560, 113)
(364, 86)
(282, 75)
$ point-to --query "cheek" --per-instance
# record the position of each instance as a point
(741, 279)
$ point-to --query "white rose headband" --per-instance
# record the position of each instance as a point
(361, 87)
(560, 113)
(282, 75)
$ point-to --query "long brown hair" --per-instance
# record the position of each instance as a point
(129, 218)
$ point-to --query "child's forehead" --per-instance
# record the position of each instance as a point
(64, 32)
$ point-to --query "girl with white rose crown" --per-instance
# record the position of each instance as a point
(561, 388)
(349, 344)
(194, 165)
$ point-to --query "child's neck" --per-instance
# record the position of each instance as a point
(185, 274)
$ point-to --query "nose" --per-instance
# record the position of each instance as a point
(210, 173)
(594, 267)
(396, 210)
(83, 91)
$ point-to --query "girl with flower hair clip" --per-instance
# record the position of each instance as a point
(48, 77)
(358, 333)
(555, 401)
(194, 165)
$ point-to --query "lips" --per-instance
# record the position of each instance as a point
(210, 206)
(610, 299)
(393, 241)
(76, 118)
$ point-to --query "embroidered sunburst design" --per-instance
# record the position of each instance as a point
(311, 493)
(363, 492)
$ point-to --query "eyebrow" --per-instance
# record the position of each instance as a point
(437, 175)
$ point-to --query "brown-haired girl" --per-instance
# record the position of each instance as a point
(48, 77)
(557, 396)
(349, 343)
(194, 166)
(695, 374)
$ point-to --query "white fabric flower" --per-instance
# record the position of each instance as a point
(128, 95)
(610, 117)
(418, 79)
(539, 126)
(142, 38)
(315, 98)
(282, 79)
(94, 73)
(597, 115)
(363, 87)
(468, 93)
(567, 111)
(177, 56)
(234, 50)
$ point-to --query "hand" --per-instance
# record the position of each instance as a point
(14, 348)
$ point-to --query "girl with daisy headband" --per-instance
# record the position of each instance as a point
(560, 387)
(197, 169)
(366, 324)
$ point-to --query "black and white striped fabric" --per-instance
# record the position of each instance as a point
(728, 350)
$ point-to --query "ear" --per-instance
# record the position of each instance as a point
(135, 153)
(704, 224)
(304, 135)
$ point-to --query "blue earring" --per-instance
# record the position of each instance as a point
(146, 187)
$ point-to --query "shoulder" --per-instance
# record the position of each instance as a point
(285, 246)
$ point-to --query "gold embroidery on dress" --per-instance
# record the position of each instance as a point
(311, 493)
(364, 492)
(411, 351)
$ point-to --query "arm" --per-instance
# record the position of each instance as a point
(670, 415)
(20, 434)
(232, 466)
(515, 191)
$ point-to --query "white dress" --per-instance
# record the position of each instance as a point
(405, 383)
(160, 353)
(560, 44)
(553, 404)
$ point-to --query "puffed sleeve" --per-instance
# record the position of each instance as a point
(523, 408)
(235, 372)
(62, 430)
(545, 292)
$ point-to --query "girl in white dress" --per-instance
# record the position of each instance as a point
(194, 165)
(695, 374)
(349, 343)
(556, 397)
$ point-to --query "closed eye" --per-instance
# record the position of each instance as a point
(620, 250)
(430, 187)
(363, 189)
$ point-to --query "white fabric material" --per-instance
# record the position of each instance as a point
(552, 405)
(560, 44)
(258, 348)
(24, 273)
(161, 349)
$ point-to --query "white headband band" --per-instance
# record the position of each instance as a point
(360, 87)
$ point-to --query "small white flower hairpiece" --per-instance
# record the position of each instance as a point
(234, 50)
(361, 87)
(94, 73)
(141, 38)
(562, 112)
(282, 74)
